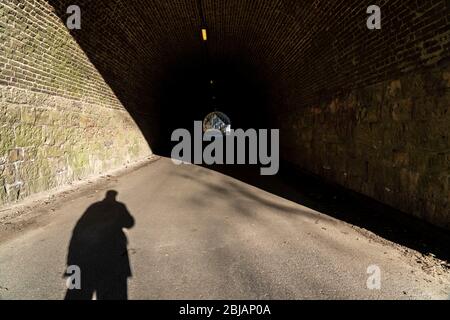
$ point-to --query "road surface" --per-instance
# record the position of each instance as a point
(198, 234)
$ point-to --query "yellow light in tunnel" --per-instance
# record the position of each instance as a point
(204, 35)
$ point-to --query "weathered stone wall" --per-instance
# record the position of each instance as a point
(390, 141)
(59, 120)
(371, 109)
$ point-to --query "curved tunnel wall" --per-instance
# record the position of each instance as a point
(59, 121)
(366, 109)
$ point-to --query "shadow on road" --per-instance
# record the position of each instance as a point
(313, 192)
(99, 248)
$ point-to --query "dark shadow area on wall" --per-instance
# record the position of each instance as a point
(98, 247)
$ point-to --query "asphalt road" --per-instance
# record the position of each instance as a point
(193, 233)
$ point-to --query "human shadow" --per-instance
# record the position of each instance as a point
(99, 249)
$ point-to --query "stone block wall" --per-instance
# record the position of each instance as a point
(59, 120)
(370, 109)
(390, 141)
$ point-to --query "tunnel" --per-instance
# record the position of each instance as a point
(366, 110)
(354, 95)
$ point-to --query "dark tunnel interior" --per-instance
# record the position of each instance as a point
(267, 61)
(166, 86)
(350, 165)
(192, 89)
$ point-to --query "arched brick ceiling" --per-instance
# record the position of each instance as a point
(266, 56)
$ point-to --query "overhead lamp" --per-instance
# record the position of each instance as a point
(204, 35)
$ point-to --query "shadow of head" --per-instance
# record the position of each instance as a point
(111, 196)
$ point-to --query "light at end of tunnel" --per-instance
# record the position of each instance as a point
(204, 35)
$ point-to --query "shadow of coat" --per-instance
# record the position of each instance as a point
(99, 248)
